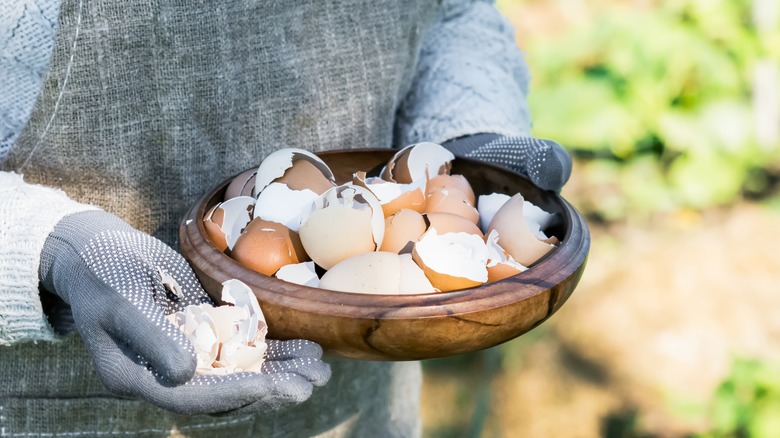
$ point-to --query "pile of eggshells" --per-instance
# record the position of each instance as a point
(414, 229)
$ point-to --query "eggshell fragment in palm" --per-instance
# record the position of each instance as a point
(394, 196)
(417, 162)
(347, 220)
(451, 201)
(299, 273)
(278, 203)
(266, 246)
(500, 264)
(228, 338)
(451, 261)
(402, 229)
(275, 165)
(450, 182)
(225, 221)
(516, 236)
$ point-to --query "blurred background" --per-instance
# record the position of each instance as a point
(671, 110)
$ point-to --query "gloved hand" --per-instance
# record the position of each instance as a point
(110, 275)
(544, 162)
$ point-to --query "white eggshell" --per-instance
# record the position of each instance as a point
(278, 203)
(370, 273)
(452, 261)
(299, 273)
(413, 279)
(346, 220)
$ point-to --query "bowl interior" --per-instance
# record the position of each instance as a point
(412, 326)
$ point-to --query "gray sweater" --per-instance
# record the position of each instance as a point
(145, 105)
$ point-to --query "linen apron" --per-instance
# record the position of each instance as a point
(150, 103)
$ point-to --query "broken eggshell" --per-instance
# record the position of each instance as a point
(242, 185)
(394, 196)
(225, 221)
(226, 339)
(452, 261)
(299, 273)
(377, 273)
(500, 264)
(516, 236)
(420, 161)
(345, 221)
(296, 168)
(266, 246)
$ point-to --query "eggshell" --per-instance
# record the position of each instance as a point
(394, 196)
(345, 221)
(413, 279)
(278, 203)
(451, 182)
(452, 223)
(500, 264)
(417, 162)
(242, 185)
(516, 236)
(299, 273)
(402, 229)
(452, 261)
(487, 206)
(377, 273)
(225, 221)
(266, 246)
(451, 201)
(371, 273)
(275, 165)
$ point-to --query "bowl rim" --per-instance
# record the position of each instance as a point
(555, 267)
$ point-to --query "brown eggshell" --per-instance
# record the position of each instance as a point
(402, 229)
(418, 161)
(266, 246)
(213, 225)
(450, 182)
(452, 223)
(305, 175)
(242, 185)
(451, 201)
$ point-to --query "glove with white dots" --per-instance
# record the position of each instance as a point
(111, 276)
(544, 162)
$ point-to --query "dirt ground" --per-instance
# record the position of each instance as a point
(664, 306)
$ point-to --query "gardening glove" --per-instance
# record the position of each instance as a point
(544, 162)
(111, 275)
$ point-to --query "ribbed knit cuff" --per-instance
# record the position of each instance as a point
(28, 213)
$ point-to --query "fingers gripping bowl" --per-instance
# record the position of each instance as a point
(405, 327)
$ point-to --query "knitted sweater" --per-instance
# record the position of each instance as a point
(147, 104)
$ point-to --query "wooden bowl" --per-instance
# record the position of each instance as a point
(406, 327)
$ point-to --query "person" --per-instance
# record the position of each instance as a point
(115, 117)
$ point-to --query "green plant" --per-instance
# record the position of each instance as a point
(747, 403)
(662, 94)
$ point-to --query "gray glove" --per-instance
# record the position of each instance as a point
(544, 162)
(110, 275)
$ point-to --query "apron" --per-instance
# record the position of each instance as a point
(150, 103)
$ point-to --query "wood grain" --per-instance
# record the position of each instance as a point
(410, 327)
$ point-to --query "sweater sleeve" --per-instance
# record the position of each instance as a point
(471, 78)
(28, 213)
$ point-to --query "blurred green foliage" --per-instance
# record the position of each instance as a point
(658, 104)
(747, 403)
